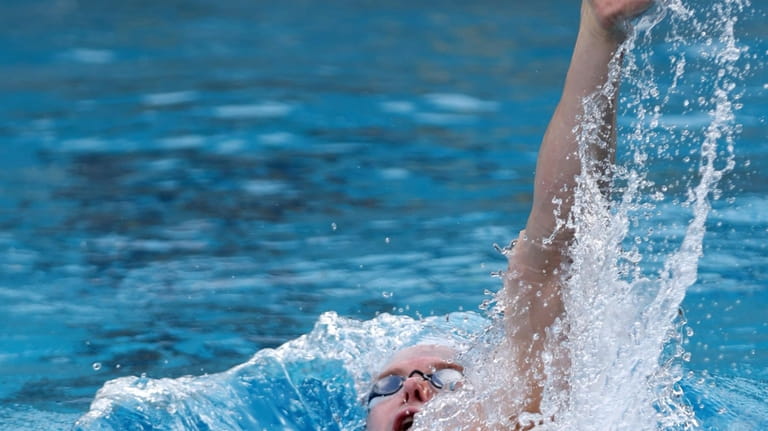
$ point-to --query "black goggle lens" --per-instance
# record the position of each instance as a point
(440, 379)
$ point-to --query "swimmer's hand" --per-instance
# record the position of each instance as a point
(610, 18)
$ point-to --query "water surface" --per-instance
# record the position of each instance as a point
(187, 183)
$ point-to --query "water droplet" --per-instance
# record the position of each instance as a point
(96, 366)
(386, 240)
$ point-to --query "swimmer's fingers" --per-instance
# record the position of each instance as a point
(613, 15)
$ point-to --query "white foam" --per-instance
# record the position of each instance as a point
(394, 173)
(182, 142)
(230, 146)
(170, 98)
(442, 119)
(277, 138)
(264, 187)
(461, 103)
(269, 109)
(397, 107)
(90, 55)
(165, 246)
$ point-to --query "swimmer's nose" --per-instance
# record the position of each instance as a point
(417, 390)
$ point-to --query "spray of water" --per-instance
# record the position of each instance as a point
(624, 317)
(631, 264)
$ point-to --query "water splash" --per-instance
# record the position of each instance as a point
(315, 382)
(630, 271)
(635, 252)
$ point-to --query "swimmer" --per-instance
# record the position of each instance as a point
(534, 277)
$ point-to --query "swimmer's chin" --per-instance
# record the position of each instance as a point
(404, 421)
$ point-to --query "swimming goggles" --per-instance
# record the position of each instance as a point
(445, 378)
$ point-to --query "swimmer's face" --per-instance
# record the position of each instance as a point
(395, 412)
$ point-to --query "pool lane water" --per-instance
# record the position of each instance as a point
(187, 183)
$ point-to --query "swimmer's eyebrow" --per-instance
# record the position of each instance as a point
(440, 365)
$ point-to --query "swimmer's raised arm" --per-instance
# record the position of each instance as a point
(532, 284)
(558, 162)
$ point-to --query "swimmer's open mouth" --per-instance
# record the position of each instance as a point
(404, 421)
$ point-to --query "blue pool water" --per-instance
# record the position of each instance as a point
(188, 183)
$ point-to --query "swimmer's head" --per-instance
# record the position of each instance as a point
(409, 379)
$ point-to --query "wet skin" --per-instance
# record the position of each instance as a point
(395, 412)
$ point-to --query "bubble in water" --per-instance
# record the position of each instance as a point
(96, 366)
